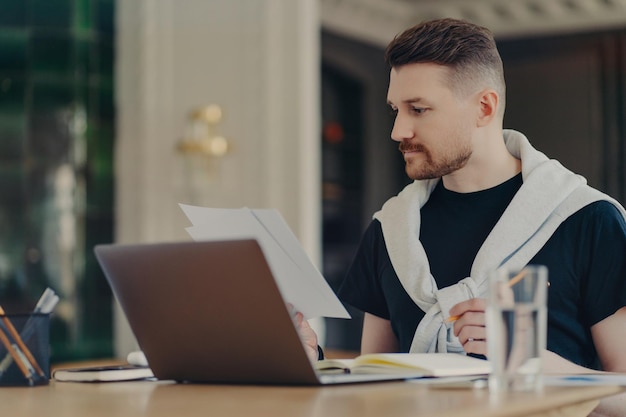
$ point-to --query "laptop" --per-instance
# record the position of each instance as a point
(211, 312)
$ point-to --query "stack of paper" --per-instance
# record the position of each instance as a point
(298, 280)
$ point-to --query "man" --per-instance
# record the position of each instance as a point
(482, 198)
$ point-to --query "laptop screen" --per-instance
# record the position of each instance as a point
(207, 312)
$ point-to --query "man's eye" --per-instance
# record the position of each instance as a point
(418, 110)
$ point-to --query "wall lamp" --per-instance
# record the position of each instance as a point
(201, 136)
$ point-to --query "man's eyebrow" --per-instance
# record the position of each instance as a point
(408, 101)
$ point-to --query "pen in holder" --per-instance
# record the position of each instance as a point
(24, 349)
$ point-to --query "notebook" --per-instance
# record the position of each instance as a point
(211, 312)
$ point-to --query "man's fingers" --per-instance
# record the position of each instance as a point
(470, 318)
(477, 346)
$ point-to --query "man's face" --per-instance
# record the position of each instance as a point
(432, 125)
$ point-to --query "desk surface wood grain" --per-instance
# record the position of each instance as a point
(390, 399)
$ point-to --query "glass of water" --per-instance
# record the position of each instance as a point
(516, 327)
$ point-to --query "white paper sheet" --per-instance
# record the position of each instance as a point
(299, 281)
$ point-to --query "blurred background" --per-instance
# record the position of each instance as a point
(114, 111)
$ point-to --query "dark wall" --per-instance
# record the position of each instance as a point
(361, 169)
(567, 94)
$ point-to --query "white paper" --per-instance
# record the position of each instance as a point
(299, 281)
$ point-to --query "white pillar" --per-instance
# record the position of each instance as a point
(259, 60)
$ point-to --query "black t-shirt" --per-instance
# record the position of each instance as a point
(584, 256)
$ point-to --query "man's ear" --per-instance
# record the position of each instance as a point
(488, 102)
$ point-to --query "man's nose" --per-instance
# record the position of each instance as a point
(402, 129)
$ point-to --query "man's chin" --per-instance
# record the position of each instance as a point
(415, 173)
(421, 175)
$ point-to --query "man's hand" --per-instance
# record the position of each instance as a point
(470, 326)
(307, 335)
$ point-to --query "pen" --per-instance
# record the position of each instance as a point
(47, 296)
(517, 278)
(45, 305)
(16, 357)
(20, 342)
(24, 360)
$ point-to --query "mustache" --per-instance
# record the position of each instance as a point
(408, 147)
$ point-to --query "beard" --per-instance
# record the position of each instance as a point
(454, 159)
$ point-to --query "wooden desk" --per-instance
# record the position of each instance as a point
(390, 399)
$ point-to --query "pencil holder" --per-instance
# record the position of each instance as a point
(24, 349)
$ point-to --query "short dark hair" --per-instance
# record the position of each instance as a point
(467, 49)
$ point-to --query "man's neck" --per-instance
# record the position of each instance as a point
(489, 166)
